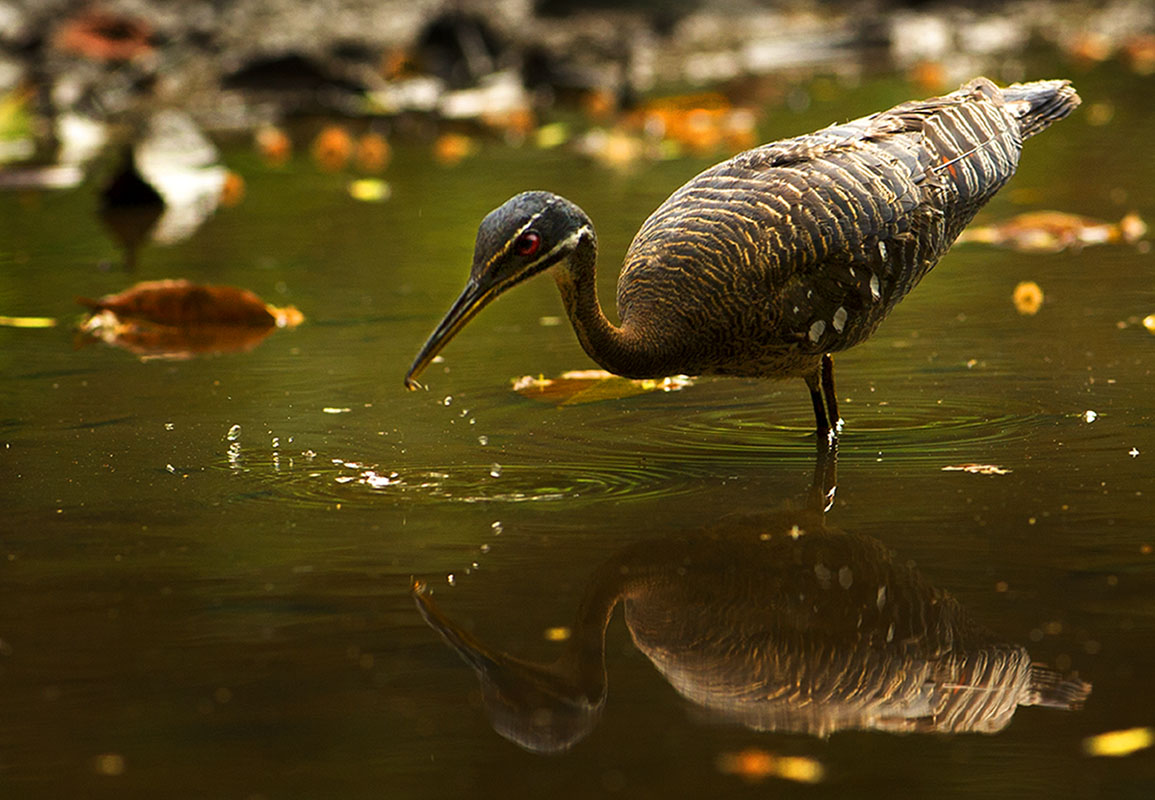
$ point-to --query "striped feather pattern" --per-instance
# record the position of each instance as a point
(761, 264)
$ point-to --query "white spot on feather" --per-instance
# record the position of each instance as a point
(875, 293)
(839, 321)
(816, 330)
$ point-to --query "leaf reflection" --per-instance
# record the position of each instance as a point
(777, 622)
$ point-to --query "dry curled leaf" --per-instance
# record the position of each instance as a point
(176, 319)
(183, 303)
(1052, 231)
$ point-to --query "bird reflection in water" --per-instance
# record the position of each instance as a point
(776, 622)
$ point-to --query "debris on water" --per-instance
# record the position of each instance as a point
(483, 440)
(168, 426)
(370, 190)
(451, 579)
(484, 548)
(177, 319)
(447, 401)
(345, 479)
(1149, 322)
(451, 148)
(1028, 298)
(755, 764)
(1053, 231)
(27, 322)
(184, 303)
(375, 480)
(978, 469)
(373, 152)
(170, 468)
(335, 410)
(497, 528)
(1133, 452)
(274, 145)
(332, 148)
(234, 433)
(1119, 743)
(495, 471)
(591, 386)
(1090, 416)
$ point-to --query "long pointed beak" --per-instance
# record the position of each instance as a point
(471, 300)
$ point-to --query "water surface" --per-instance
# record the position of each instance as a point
(238, 623)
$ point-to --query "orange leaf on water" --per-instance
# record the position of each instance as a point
(183, 303)
(177, 319)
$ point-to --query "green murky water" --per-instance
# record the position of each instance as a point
(221, 624)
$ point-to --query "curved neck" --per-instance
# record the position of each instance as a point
(620, 350)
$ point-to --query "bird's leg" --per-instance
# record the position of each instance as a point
(822, 422)
(829, 393)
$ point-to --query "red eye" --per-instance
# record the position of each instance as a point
(527, 244)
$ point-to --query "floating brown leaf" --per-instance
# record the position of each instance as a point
(183, 303)
(1052, 231)
(592, 386)
(177, 319)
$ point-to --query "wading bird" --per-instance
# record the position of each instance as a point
(765, 264)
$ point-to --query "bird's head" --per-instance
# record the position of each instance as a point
(527, 235)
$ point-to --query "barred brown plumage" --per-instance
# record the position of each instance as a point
(765, 264)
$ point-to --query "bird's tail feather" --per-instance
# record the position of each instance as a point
(1039, 103)
(1052, 689)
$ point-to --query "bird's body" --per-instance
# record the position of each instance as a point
(763, 265)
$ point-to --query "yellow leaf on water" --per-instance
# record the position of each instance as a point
(370, 190)
(1119, 743)
(1028, 298)
(27, 322)
(591, 386)
(977, 469)
(754, 764)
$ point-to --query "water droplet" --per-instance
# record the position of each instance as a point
(170, 468)
(451, 579)
(168, 426)
(495, 471)
(276, 443)
(483, 440)
(448, 401)
(497, 528)
(485, 548)
(1090, 416)
(234, 433)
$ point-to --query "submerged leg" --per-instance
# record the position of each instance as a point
(829, 393)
